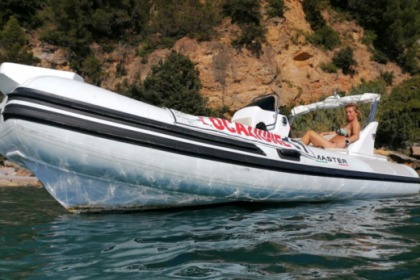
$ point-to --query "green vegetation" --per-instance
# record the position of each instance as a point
(388, 77)
(275, 8)
(174, 19)
(399, 116)
(74, 25)
(312, 10)
(243, 11)
(246, 13)
(323, 35)
(376, 86)
(14, 44)
(379, 56)
(344, 59)
(91, 68)
(173, 83)
(328, 68)
(394, 25)
(24, 11)
(326, 37)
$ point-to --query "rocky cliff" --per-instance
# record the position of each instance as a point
(288, 65)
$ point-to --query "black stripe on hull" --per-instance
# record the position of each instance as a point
(16, 111)
(85, 109)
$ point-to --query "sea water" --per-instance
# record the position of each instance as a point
(377, 239)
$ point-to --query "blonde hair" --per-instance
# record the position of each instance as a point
(355, 108)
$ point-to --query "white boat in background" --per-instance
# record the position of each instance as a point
(96, 150)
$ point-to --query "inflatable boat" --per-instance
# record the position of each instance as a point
(96, 150)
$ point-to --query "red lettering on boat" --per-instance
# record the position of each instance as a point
(256, 130)
(201, 119)
(226, 124)
(266, 136)
(240, 129)
(277, 140)
(217, 123)
(252, 132)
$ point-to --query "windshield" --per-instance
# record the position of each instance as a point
(266, 102)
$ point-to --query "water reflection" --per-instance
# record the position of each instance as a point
(242, 241)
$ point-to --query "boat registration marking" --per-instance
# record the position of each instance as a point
(242, 130)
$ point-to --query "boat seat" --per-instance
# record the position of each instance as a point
(366, 143)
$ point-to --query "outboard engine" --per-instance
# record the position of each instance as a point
(263, 113)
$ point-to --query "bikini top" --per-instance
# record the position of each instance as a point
(342, 131)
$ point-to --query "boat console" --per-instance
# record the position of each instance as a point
(263, 113)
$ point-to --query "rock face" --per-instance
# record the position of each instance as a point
(288, 65)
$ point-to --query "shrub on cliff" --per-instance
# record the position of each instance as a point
(175, 19)
(243, 11)
(14, 45)
(313, 15)
(375, 86)
(395, 24)
(323, 35)
(91, 68)
(344, 59)
(399, 116)
(246, 13)
(275, 8)
(23, 10)
(173, 83)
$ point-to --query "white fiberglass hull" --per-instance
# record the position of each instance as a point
(86, 173)
(95, 150)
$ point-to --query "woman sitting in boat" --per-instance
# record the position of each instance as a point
(343, 136)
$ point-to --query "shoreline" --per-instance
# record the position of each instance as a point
(12, 175)
(19, 181)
